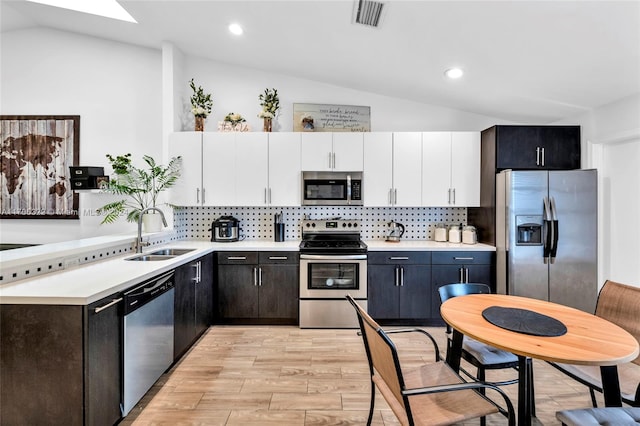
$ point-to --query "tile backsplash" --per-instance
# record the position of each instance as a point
(256, 223)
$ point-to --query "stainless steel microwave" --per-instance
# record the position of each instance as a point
(331, 188)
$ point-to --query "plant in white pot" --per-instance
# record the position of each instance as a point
(142, 186)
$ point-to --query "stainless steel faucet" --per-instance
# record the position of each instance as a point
(139, 242)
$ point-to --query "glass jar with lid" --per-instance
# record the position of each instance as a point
(469, 235)
(440, 233)
(454, 234)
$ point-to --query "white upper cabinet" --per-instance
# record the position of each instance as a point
(252, 169)
(377, 176)
(392, 169)
(188, 188)
(465, 168)
(407, 169)
(219, 169)
(451, 169)
(284, 169)
(326, 151)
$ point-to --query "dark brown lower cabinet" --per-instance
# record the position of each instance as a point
(258, 287)
(61, 364)
(193, 302)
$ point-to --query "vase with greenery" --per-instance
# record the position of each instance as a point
(234, 122)
(141, 186)
(201, 104)
(270, 104)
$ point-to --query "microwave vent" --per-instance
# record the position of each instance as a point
(368, 12)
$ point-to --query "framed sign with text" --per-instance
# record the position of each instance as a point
(331, 118)
(36, 154)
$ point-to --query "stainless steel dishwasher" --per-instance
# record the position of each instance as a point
(148, 336)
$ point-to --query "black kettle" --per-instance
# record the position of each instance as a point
(225, 229)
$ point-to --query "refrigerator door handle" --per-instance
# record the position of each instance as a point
(547, 238)
(554, 231)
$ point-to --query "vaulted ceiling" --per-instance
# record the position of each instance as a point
(524, 61)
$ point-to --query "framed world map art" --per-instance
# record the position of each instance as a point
(36, 152)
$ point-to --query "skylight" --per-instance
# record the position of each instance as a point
(106, 8)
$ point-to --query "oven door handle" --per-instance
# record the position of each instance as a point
(333, 257)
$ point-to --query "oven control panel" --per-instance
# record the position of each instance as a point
(331, 225)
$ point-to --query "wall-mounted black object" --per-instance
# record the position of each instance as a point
(519, 148)
(87, 178)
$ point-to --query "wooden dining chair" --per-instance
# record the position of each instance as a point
(619, 304)
(432, 394)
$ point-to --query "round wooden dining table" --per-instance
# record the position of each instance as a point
(587, 340)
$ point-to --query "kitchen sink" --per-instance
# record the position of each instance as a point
(171, 251)
(150, 257)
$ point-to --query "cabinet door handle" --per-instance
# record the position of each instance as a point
(278, 257)
(108, 305)
(537, 155)
(399, 258)
(333, 156)
(198, 195)
(269, 195)
(542, 157)
(255, 277)
(195, 265)
(460, 275)
(449, 196)
(401, 276)
(199, 271)
(236, 257)
(397, 274)
(330, 160)
(454, 196)
(390, 196)
(466, 275)
(462, 258)
(395, 196)
(203, 202)
(260, 277)
(265, 196)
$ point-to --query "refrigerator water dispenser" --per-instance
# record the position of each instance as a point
(529, 230)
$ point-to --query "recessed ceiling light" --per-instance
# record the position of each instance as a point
(106, 8)
(454, 73)
(236, 29)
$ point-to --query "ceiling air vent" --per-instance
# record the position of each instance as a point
(368, 12)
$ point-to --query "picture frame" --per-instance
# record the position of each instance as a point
(331, 118)
(36, 153)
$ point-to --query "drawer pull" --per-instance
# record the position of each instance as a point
(108, 305)
(278, 257)
(463, 258)
(399, 258)
(236, 257)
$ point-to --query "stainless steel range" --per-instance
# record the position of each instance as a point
(333, 263)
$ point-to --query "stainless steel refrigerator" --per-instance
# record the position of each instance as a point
(546, 236)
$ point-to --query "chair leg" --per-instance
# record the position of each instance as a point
(373, 401)
(593, 398)
(481, 377)
(532, 393)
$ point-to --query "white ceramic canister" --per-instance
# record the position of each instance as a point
(440, 233)
(469, 235)
(454, 234)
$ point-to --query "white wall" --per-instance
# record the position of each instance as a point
(124, 98)
(114, 87)
(236, 89)
(611, 143)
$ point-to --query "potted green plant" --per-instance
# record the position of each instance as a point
(142, 186)
(270, 104)
(201, 104)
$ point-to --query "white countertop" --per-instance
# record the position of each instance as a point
(88, 283)
(424, 245)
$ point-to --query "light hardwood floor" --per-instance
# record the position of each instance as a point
(280, 375)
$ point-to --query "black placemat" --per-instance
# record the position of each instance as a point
(524, 321)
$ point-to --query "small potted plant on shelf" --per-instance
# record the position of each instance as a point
(234, 123)
(270, 104)
(201, 105)
(142, 186)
